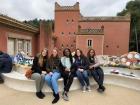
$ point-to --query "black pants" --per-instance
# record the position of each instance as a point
(68, 79)
(98, 75)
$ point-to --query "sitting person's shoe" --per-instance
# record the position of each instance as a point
(100, 90)
(65, 96)
(84, 88)
(88, 88)
(56, 99)
(103, 88)
(39, 95)
(43, 95)
(1, 81)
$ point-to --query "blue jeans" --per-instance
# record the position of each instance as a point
(98, 75)
(52, 80)
(83, 77)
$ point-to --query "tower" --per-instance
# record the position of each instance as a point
(66, 26)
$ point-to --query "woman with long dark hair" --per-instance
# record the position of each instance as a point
(81, 65)
(68, 71)
(53, 74)
(95, 69)
(39, 65)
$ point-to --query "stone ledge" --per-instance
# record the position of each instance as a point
(19, 82)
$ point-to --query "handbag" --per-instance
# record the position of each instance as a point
(28, 73)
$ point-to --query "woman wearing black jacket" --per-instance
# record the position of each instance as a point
(53, 74)
(39, 65)
(95, 69)
(81, 65)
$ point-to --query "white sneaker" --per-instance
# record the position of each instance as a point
(88, 88)
(84, 88)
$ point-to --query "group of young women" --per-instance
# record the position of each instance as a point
(50, 69)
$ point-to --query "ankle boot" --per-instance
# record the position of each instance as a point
(42, 94)
(55, 100)
(38, 94)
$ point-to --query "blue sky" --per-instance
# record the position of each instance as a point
(44, 9)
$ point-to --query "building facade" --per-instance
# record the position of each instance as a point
(107, 35)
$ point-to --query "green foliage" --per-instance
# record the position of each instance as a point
(34, 22)
(133, 8)
(49, 24)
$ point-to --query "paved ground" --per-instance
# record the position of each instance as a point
(114, 95)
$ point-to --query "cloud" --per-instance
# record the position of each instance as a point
(44, 9)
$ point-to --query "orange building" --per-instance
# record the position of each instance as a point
(17, 36)
(107, 35)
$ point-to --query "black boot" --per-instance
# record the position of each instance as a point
(1, 79)
(42, 94)
(39, 95)
(55, 100)
(101, 88)
(53, 93)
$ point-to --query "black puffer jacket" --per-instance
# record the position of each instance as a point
(5, 63)
(36, 67)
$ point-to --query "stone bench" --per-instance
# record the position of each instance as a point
(18, 81)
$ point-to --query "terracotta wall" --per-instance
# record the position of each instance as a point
(97, 40)
(5, 31)
(66, 22)
(116, 36)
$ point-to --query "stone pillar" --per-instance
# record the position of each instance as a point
(42, 37)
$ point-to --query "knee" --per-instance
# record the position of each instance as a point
(54, 78)
(37, 76)
(47, 78)
(93, 72)
(78, 73)
(85, 74)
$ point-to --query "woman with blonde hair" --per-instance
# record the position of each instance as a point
(39, 65)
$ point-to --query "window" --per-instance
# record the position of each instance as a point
(15, 45)
(67, 21)
(62, 33)
(107, 46)
(27, 46)
(89, 43)
(20, 45)
(62, 46)
(11, 46)
(72, 20)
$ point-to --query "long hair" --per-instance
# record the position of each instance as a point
(41, 58)
(54, 60)
(70, 55)
(88, 54)
(82, 55)
(57, 56)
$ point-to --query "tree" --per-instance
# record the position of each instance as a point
(48, 23)
(133, 8)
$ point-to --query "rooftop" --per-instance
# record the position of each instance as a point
(105, 19)
(75, 7)
(17, 24)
